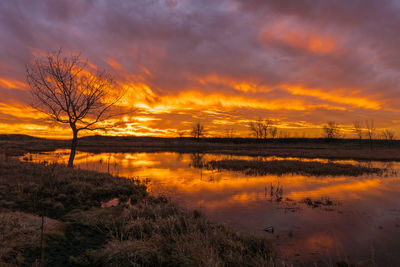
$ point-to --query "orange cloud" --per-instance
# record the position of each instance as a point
(336, 96)
(20, 111)
(216, 106)
(299, 36)
(12, 84)
(243, 86)
(197, 100)
(141, 96)
(113, 63)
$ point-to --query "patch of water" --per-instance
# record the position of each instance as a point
(314, 218)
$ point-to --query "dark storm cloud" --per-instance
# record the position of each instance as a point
(367, 31)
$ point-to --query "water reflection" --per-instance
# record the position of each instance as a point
(197, 160)
(365, 210)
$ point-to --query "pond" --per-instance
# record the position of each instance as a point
(310, 218)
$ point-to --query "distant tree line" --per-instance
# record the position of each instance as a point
(361, 131)
(262, 129)
(265, 129)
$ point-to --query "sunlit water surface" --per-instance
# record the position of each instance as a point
(362, 224)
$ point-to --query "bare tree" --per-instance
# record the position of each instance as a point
(273, 131)
(284, 134)
(180, 133)
(198, 131)
(331, 130)
(370, 128)
(265, 125)
(254, 129)
(259, 128)
(63, 88)
(229, 132)
(388, 135)
(357, 129)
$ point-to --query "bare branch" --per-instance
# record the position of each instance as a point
(389, 135)
(198, 131)
(370, 128)
(63, 88)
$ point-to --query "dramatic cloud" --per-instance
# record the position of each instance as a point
(224, 63)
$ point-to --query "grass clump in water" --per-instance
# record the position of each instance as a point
(281, 167)
(323, 202)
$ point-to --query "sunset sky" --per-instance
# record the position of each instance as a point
(221, 63)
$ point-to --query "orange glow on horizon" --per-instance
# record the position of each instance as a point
(162, 113)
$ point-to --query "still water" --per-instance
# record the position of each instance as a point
(360, 220)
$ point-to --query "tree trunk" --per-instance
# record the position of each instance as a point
(73, 146)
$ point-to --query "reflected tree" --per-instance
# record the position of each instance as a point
(197, 160)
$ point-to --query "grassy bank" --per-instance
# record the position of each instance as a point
(291, 147)
(79, 229)
(280, 167)
(381, 150)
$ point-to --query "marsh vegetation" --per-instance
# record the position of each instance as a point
(280, 167)
(301, 196)
(140, 230)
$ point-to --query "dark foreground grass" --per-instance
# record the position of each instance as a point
(140, 231)
(280, 167)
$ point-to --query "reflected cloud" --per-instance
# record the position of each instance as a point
(347, 219)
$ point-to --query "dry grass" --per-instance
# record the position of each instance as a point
(20, 231)
(187, 238)
(144, 231)
(56, 190)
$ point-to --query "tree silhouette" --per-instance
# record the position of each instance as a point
(273, 131)
(180, 133)
(198, 131)
(260, 128)
(370, 128)
(357, 129)
(229, 133)
(63, 88)
(331, 130)
(388, 135)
